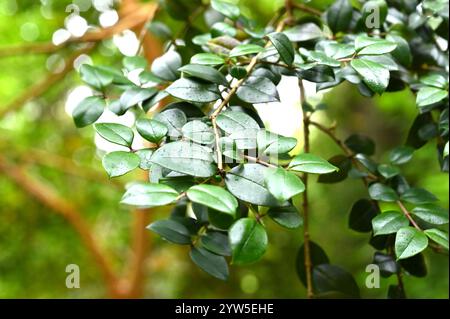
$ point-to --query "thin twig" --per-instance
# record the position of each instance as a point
(259, 161)
(408, 215)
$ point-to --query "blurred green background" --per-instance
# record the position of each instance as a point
(41, 146)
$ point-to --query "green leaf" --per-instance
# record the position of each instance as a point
(198, 132)
(160, 29)
(339, 15)
(174, 120)
(246, 182)
(145, 156)
(271, 144)
(361, 215)
(248, 241)
(378, 48)
(388, 171)
(228, 9)
(216, 242)
(409, 242)
(322, 58)
(233, 121)
(211, 263)
(318, 257)
(401, 155)
(244, 139)
(283, 45)
(415, 265)
(402, 52)
(245, 49)
(152, 130)
(434, 79)
(334, 281)
(429, 95)
(154, 100)
(238, 72)
(221, 28)
(304, 32)
(446, 150)
(338, 50)
(95, 77)
(119, 163)
(187, 158)
(147, 195)
(343, 163)
(166, 66)
(378, 191)
(386, 263)
(360, 144)
(214, 197)
(438, 236)
(431, 214)
(418, 196)
(115, 133)
(172, 231)
(388, 223)
(207, 59)
(286, 216)
(310, 163)
(136, 95)
(283, 184)
(134, 62)
(258, 90)
(193, 91)
(88, 111)
(375, 75)
(205, 73)
(318, 74)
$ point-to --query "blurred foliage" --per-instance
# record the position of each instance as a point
(36, 244)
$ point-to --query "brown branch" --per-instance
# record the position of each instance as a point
(305, 204)
(41, 87)
(129, 21)
(408, 215)
(47, 196)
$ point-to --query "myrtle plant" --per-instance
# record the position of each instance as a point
(209, 155)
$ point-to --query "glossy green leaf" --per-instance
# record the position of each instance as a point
(166, 66)
(258, 90)
(378, 191)
(286, 216)
(331, 279)
(233, 121)
(409, 242)
(418, 196)
(205, 73)
(216, 242)
(145, 156)
(172, 231)
(339, 15)
(95, 76)
(187, 158)
(429, 95)
(149, 195)
(248, 241)
(360, 144)
(310, 163)
(361, 215)
(119, 163)
(115, 133)
(246, 182)
(389, 222)
(207, 59)
(304, 32)
(322, 58)
(283, 45)
(244, 139)
(88, 111)
(198, 132)
(438, 236)
(193, 91)
(386, 263)
(402, 52)
(271, 144)
(435, 80)
(401, 155)
(343, 163)
(174, 120)
(432, 214)
(134, 62)
(214, 197)
(388, 171)
(152, 130)
(228, 9)
(318, 257)
(375, 76)
(245, 49)
(283, 184)
(378, 48)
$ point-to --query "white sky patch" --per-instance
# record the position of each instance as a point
(75, 96)
(60, 36)
(108, 18)
(127, 43)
